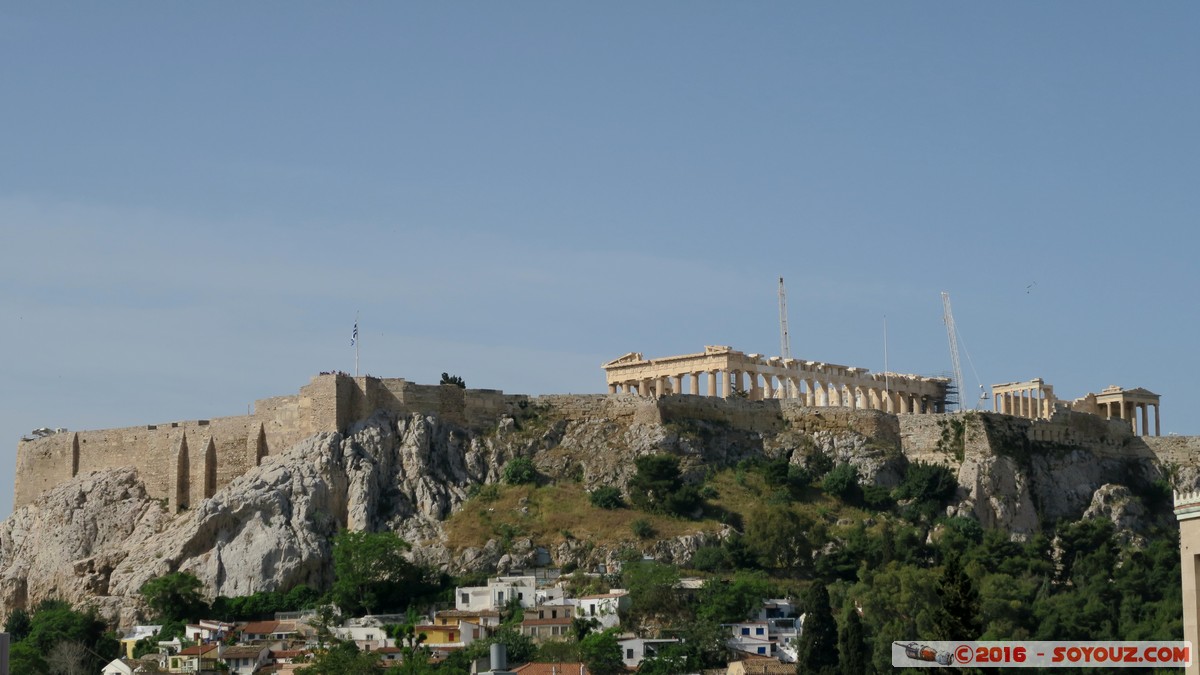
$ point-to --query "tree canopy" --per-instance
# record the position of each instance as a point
(175, 597)
(371, 573)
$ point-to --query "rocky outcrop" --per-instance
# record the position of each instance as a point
(67, 543)
(99, 537)
(1128, 515)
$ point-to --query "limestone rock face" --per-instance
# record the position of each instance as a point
(67, 542)
(1127, 513)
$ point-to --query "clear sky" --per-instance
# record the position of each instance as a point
(197, 198)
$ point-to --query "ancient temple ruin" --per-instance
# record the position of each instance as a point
(1034, 399)
(723, 371)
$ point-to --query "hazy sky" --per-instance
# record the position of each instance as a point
(196, 198)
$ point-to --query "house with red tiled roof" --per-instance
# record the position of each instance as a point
(257, 631)
(547, 629)
(552, 669)
(196, 659)
(244, 659)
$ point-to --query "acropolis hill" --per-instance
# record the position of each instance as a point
(187, 461)
(99, 513)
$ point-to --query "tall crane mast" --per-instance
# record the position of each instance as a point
(948, 319)
(785, 342)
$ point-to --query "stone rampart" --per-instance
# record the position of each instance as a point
(185, 462)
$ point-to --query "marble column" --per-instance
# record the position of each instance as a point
(725, 375)
(695, 389)
(1157, 430)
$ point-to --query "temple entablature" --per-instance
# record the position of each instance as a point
(723, 371)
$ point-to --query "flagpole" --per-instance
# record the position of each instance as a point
(887, 390)
(357, 340)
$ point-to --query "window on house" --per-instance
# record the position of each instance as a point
(745, 631)
(520, 596)
(762, 650)
(452, 636)
(465, 597)
(591, 610)
(500, 597)
(758, 631)
(628, 654)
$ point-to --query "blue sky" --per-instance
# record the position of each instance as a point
(196, 199)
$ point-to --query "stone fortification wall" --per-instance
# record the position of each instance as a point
(185, 462)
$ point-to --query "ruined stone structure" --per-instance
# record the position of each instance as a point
(1032, 400)
(726, 371)
(185, 462)
(1035, 400)
(1187, 511)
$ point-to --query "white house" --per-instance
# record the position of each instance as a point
(774, 633)
(208, 630)
(117, 667)
(603, 607)
(634, 650)
(500, 591)
(751, 637)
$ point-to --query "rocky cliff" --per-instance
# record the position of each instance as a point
(99, 537)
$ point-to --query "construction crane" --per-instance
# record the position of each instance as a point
(785, 342)
(948, 319)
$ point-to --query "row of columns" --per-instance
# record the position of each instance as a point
(1128, 411)
(814, 392)
(1030, 403)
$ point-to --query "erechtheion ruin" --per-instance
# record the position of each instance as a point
(727, 372)
(1034, 399)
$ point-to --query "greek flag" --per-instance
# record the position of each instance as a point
(354, 335)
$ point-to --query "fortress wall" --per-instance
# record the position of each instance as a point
(146, 447)
(280, 418)
(1183, 451)
(736, 412)
(482, 407)
(934, 439)
(42, 463)
(476, 408)
(319, 403)
(611, 406)
(875, 424)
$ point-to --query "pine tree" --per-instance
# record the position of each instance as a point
(855, 655)
(818, 641)
(958, 616)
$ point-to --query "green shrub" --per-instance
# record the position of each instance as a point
(520, 471)
(711, 559)
(606, 497)
(842, 481)
(658, 488)
(818, 464)
(877, 497)
(642, 529)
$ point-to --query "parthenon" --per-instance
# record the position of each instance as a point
(727, 372)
